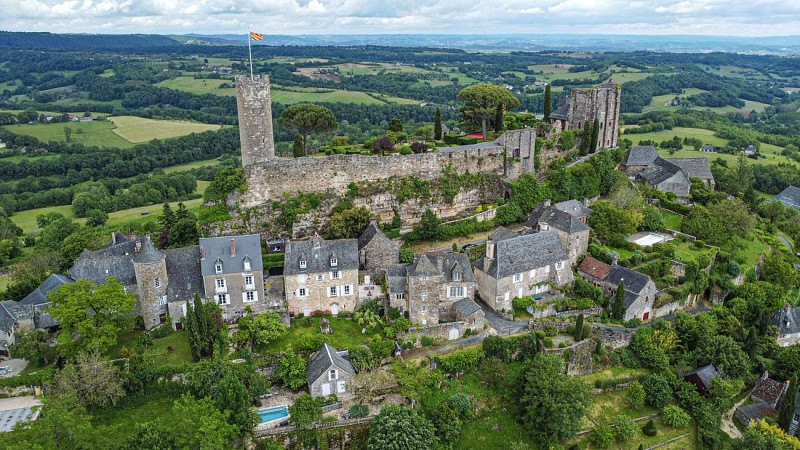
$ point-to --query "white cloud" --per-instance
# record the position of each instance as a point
(736, 17)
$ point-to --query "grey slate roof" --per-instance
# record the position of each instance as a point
(756, 411)
(555, 218)
(790, 197)
(502, 233)
(322, 360)
(317, 252)
(787, 319)
(466, 306)
(10, 312)
(396, 275)
(526, 252)
(574, 208)
(659, 171)
(183, 272)
(445, 264)
(39, 295)
(115, 260)
(371, 232)
(693, 167)
(148, 254)
(640, 155)
(218, 248)
(705, 373)
(635, 282)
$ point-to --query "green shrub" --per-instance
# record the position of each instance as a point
(427, 341)
(675, 417)
(700, 243)
(602, 436)
(358, 411)
(520, 304)
(548, 342)
(406, 150)
(162, 330)
(650, 428)
(623, 427)
(461, 403)
(633, 323)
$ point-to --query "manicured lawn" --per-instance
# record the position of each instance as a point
(345, 333)
(178, 340)
(140, 129)
(608, 405)
(117, 422)
(754, 249)
(480, 432)
(97, 133)
(613, 372)
(27, 219)
(672, 220)
(707, 136)
(686, 252)
(302, 95)
(665, 433)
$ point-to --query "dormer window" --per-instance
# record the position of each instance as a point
(317, 245)
(302, 263)
(218, 267)
(334, 261)
(456, 276)
(247, 264)
(158, 283)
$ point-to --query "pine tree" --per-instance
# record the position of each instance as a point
(166, 221)
(395, 125)
(437, 125)
(618, 308)
(182, 213)
(578, 335)
(548, 102)
(789, 404)
(595, 136)
(297, 148)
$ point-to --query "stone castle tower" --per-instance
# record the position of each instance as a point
(150, 267)
(255, 119)
(584, 105)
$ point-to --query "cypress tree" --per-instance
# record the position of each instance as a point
(586, 138)
(548, 102)
(595, 136)
(191, 330)
(578, 335)
(437, 125)
(498, 119)
(203, 326)
(618, 308)
(789, 405)
(297, 148)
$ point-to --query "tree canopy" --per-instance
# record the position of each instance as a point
(482, 101)
(308, 119)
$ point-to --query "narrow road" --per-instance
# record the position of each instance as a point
(786, 242)
(727, 420)
(503, 326)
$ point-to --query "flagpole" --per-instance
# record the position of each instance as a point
(250, 52)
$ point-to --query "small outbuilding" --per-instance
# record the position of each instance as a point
(701, 378)
(329, 372)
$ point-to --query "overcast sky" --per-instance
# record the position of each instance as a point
(708, 17)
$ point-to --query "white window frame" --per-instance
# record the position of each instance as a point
(559, 265)
(218, 267)
(424, 308)
(220, 283)
(302, 292)
(163, 300)
(333, 291)
(336, 275)
(346, 289)
(158, 282)
(223, 299)
(517, 277)
(249, 296)
(532, 273)
(303, 264)
(334, 262)
(333, 374)
(456, 276)
(341, 387)
(400, 296)
(320, 277)
(247, 264)
(249, 280)
(455, 292)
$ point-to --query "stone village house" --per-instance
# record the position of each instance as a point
(787, 320)
(640, 290)
(572, 232)
(321, 275)
(13, 318)
(376, 252)
(329, 372)
(766, 396)
(643, 163)
(232, 271)
(427, 290)
(517, 266)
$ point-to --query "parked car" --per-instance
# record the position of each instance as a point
(467, 247)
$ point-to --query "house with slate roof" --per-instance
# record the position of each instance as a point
(640, 290)
(328, 372)
(232, 271)
(766, 395)
(376, 252)
(185, 279)
(13, 318)
(790, 197)
(427, 290)
(750, 150)
(696, 168)
(572, 232)
(521, 266)
(787, 320)
(666, 177)
(321, 275)
(138, 265)
(708, 148)
(638, 158)
(39, 302)
(577, 209)
(701, 378)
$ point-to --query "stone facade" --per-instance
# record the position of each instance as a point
(151, 278)
(328, 372)
(233, 277)
(585, 105)
(376, 252)
(255, 119)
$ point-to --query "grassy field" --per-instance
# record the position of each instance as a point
(178, 341)
(192, 165)
(198, 86)
(139, 129)
(672, 220)
(344, 334)
(686, 252)
(97, 133)
(116, 422)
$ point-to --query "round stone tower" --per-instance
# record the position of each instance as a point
(150, 266)
(255, 119)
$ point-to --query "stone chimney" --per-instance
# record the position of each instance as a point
(614, 260)
(233, 247)
(373, 221)
(202, 253)
(547, 203)
(787, 308)
(490, 255)
(765, 375)
(586, 202)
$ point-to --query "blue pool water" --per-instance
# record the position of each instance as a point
(274, 413)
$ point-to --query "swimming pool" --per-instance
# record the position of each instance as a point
(270, 415)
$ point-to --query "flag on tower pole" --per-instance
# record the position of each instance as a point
(253, 36)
